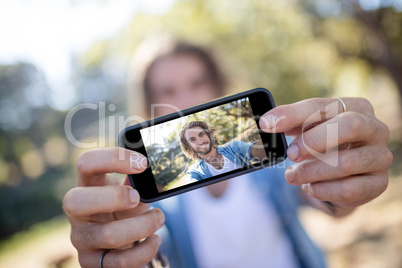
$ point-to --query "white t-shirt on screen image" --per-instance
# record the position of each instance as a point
(227, 166)
(238, 229)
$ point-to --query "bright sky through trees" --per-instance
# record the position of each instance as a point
(47, 33)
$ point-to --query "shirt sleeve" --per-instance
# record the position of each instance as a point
(190, 179)
(192, 175)
(244, 148)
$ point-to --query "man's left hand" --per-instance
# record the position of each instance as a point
(342, 156)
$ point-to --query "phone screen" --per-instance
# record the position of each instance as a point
(204, 144)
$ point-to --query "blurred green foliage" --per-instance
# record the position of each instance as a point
(33, 154)
(297, 49)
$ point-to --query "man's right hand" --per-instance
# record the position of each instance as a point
(105, 214)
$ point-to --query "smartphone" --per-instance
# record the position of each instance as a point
(203, 145)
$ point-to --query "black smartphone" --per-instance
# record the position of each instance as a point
(203, 145)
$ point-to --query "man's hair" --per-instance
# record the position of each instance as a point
(153, 50)
(186, 147)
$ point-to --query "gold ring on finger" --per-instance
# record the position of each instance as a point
(342, 103)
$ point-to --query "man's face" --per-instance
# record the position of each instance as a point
(198, 140)
(181, 81)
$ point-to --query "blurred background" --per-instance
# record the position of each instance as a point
(56, 55)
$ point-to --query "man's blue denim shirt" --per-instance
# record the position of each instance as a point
(176, 241)
(177, 245)
(238, 152)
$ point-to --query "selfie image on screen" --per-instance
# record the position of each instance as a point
(203, 144)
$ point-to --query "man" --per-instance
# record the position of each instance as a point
(198, 142)
(242, 222)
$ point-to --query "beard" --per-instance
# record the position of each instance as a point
(207, 150)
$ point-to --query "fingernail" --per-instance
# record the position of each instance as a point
(307, 188)
(133, 196)
(161, 217)
(136, 160)
(293, 152)
(289, 174)
(268, 122)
